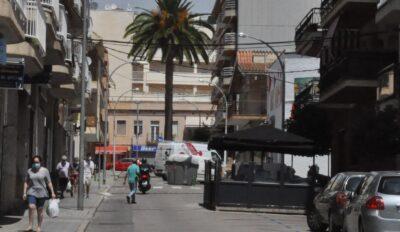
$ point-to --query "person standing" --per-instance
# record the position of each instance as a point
(74, 175)
(35, 191)
(88, 170)
(63, 168)
(132, 174)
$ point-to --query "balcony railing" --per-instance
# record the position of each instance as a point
(311, 22)
(68, 49)
(327, 6)
(36, 24)
(230, 5)
(63, 25)
(54, 5)
(77, 51)
(230, 38)
(19, 8)
(227, 72)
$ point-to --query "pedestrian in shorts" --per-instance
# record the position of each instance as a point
(35, 191)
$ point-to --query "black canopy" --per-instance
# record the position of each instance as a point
(263, 138)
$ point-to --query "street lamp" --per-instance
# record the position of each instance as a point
(226, 111)
(114, 127)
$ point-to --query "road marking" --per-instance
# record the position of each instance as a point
(158, 187)
(196, 188)
(176, 187)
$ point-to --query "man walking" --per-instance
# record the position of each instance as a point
(88, 170)
(63, 177)
(132, 175)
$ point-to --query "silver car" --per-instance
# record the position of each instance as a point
(375, 206)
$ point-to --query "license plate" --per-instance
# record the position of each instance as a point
(144, 183)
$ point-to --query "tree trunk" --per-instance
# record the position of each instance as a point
(169, 89)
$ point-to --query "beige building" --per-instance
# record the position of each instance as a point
(137, 90)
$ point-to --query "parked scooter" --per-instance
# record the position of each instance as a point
(144, 178)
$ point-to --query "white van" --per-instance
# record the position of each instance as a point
(164, 150)
(199, 151)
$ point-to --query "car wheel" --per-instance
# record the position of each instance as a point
(332, 227)
(314, 221)
(164, 177)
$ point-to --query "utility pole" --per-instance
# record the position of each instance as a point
(105, 137)
(137, 128)
(83, 110)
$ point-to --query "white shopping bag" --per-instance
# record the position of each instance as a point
(53, 209)
(69, 186)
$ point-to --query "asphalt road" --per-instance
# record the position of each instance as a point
(176, 208)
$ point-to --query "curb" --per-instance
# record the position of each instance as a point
(262, 210)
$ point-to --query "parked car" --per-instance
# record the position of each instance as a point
(375, 205)
(123, 164)
(328, 205)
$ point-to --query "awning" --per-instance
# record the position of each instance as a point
(264, 138)
(110, 149)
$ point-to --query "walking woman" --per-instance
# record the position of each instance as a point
(35, 191)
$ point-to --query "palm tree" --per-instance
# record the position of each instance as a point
(172, 29)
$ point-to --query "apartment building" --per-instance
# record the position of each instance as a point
(357, 43)
(261, 19)
(136, 112)
(40, 73)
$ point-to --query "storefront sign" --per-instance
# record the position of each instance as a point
(12, 76)
(144, 148)
(3, 51)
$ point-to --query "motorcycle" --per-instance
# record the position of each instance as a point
(144, 181)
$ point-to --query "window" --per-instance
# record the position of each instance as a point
(390, 185)
(138, 128)
(353, 183)
(121, 127)
(154, 130)
(337, 185)
(175, 129)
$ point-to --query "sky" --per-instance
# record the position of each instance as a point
(200, 6)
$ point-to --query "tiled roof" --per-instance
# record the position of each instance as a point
(254, 61)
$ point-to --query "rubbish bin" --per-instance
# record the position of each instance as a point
(181, 170)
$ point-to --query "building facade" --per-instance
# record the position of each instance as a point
(359, 50)
(136, 112)
(40, 73)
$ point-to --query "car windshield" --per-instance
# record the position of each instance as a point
(353, 183)
(390, 185)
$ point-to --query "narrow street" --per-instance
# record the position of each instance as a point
(176, 208)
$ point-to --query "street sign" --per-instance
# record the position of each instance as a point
(3, 51)
(12, 76)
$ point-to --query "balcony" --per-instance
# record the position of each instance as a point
(309, 34)
(348, 9)
(229, 9)
(388, 12)
(36, 25)
(388, 89)
(13, 20)
(351, 78)
(229, 42)
(34, 48)
(64, 91)
(75, 22)
(227, 72)
(62, 32)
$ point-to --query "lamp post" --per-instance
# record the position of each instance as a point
(282, 64)
(226, 112)
(114, 127)
(83, 109)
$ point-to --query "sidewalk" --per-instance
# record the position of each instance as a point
(70, 219)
